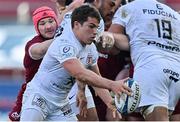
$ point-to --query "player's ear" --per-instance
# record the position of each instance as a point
(98, 3)
(76, 24)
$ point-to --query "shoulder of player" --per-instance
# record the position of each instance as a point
(36, 39)
(67, 15)
(127, 8)
(62, 41)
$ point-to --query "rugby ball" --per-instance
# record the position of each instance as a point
(128, 104)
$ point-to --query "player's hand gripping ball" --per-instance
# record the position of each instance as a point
(105, 41)
(128, 104)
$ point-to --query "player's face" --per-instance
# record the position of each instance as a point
(47, 27)
(107, 9)
(88, 30)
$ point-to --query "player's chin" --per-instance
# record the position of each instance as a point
(49, 35)
(109, 17)
(90, 41)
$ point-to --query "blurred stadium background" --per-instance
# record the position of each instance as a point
(15, 30)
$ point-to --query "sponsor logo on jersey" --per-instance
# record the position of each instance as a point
(173, 75)
(71, 96)
(165, 47)
(39, 101)
(173, 79)
(66, 109)
(158, 11)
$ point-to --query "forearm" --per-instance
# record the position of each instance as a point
(77, 70)
(81, 85)
(62, 9)
(104, 94)
(121, 41)
(38, 50)
(93, 79)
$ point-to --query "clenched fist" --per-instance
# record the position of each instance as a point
(105, 41)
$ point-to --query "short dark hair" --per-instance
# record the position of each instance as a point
(70, 1)
(89, 1)
(124, 2)
(82, 13)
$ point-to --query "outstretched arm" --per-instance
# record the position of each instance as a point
(81, 99)
(106, 97)
(102, 93)
(77, 70)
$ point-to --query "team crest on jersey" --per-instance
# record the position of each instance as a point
(89, 60)
(66, 52)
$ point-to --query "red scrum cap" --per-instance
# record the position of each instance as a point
(42, 13)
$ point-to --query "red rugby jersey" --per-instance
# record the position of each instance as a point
(31, 66)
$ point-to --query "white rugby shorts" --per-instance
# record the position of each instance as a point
(159, 82)
(36, 108)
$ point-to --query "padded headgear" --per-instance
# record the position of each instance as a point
(41, 13)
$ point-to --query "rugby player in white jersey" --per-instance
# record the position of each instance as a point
(154, 41)
(104, 94)
(90, 61)
(45, 97)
